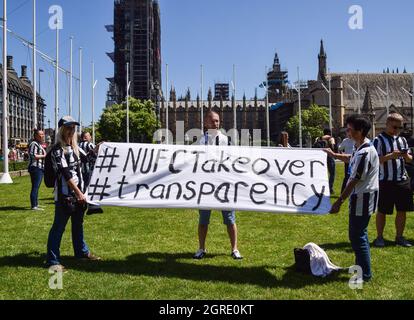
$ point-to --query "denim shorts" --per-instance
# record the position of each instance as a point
(229, 217)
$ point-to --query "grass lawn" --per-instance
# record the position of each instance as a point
(148, 255)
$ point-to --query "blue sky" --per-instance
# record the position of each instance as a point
(218, 34)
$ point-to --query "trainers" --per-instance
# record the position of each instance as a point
(401, 241)
(57, 268)
(91, 257)
(379, 243)
(200, 254)
(236, 255)
(38, 209)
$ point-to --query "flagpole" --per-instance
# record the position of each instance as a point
(80, 90)
(71, 76)
(267, 110)
(93, 102)
(34, 68)
(300, 111)
(234, 106)
(201, 98)
(330, 104)
(127, 101)
(167, 101)
(5, 178)
(57, 81)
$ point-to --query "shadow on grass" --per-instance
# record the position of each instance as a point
(14, 208)
(156, 264)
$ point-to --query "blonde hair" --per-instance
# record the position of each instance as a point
(394, 116)
(60, 139)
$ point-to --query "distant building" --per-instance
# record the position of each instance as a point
(221, 92)
(278, 82)
(251, 114)
(137, 37)
(371, 100)
(20, 93)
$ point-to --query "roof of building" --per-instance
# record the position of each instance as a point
(19, 85)
(374, 81)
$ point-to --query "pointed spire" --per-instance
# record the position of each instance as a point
(188, 95)
(276, 61)
(367, 106)
(405, 70)
(388, 70)
(398, 71)
(210, 95)
(322, 52)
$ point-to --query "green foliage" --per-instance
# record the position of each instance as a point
(15, 166)
(314, 121)
(142, 122)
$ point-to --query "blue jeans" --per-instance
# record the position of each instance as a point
(55, 235)
(36, 175)
(358, 234)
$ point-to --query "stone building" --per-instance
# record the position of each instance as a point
(20, 93)
(251, 114)
(347, 101)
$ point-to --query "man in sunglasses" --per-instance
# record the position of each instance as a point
(394, 190)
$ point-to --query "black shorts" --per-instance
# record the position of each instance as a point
(395, 194)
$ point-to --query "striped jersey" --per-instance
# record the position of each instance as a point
(86, 146)
(68, 167)
(35, 149)
(364, 167)
(392, 170)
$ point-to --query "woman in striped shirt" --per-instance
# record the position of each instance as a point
(37, 155)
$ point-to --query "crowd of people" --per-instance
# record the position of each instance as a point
(378, 178)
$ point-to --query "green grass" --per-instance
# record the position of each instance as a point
(147, 255)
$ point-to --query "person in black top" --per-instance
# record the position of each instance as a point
(88, 147)
(37, 155)
(70, 201)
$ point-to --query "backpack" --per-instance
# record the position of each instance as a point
(50, 175)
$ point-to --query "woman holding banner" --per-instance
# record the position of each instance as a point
(70, 201)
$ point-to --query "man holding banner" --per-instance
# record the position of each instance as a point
(213, 136)
(363, 187)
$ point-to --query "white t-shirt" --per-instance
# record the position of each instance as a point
(347, 146)
(214, 139)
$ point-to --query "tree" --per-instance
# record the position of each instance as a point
(314, 120)
(142, 122)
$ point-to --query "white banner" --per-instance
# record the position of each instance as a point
(211, 177)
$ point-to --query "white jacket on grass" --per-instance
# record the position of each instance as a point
(320, 264)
